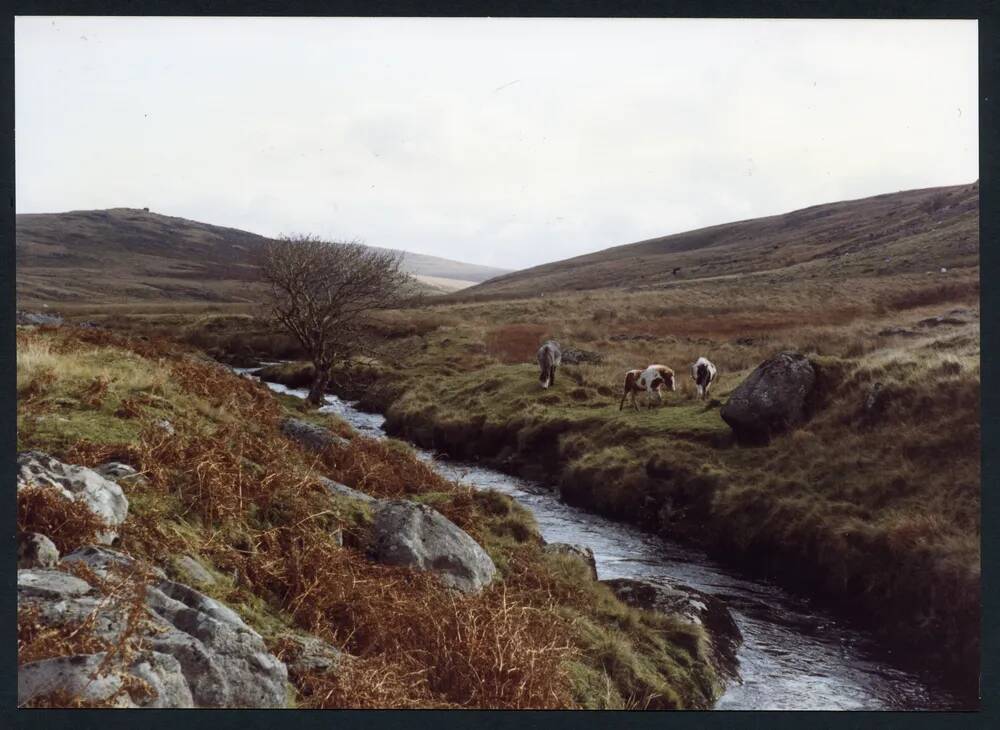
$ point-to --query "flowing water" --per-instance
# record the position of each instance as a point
(794, 655)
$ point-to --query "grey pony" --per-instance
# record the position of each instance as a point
(549, 358)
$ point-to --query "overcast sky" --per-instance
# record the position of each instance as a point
(501, 142)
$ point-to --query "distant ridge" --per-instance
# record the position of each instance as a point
(914, 230)
(131, 254)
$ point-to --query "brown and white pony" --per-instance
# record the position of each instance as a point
(549, 358)
(654, 379)
(703, 373)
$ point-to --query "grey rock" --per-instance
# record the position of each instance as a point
(117, 471)
(574, 356)
(103, 496)
(580, 552)
(898, 332)
(310, 435)
(38, 318)
(312, 655)
(73, 676)
(166, 426)
(108, 563)
(48, 583)
(35, 550)
(80, 676)
(165, 677)
(194, 570)
(342, 490)
(412, 534)
(223, 662)
(773, 399)
(689, 605)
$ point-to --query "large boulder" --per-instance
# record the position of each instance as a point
(192, 650)
(690, 605)
(772, 400)
(310, 435)
(413, 534)
(76, 483)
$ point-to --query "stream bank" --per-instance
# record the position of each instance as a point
(794, 650)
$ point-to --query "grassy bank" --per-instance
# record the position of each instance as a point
(227, 489)
(875, 509)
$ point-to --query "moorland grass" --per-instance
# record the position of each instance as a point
(229, 490)
(877, 509)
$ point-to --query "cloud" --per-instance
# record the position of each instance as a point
(505, 142)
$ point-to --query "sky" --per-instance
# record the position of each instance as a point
(504, 142)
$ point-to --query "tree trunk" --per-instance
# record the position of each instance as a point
(318, 389)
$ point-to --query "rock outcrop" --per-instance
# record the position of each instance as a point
(82, 678)
(76, 483)
(772, 400)
(693, 606)
(191, 650)
(413, 534)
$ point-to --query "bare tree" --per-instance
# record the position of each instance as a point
(324, 294)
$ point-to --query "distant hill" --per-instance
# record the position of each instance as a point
(126, 254)
(916, 230)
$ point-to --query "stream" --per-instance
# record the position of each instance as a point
(795, 655)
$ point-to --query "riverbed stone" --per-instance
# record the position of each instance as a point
(76, 483)
(412, 534)
(773, 399)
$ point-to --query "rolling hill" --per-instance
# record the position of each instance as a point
(904, 232)
(129, 254)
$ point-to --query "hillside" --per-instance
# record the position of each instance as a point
(128, 254)
(266, 543)
(906, 232)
